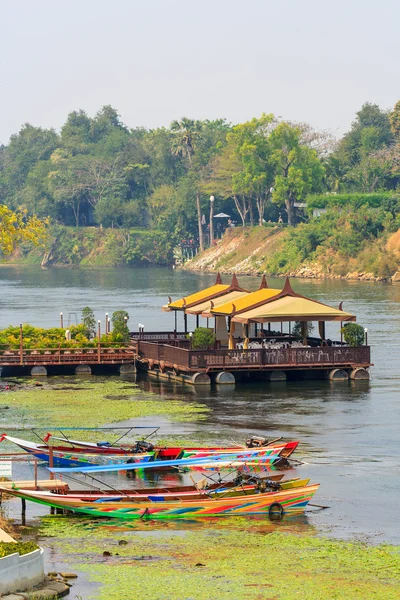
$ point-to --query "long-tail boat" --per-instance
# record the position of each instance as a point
(292, 500)
(89, 453)
(233, 487)
(266, 458)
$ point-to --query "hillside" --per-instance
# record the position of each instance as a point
(283, 251)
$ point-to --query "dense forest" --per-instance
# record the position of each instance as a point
(98, 172)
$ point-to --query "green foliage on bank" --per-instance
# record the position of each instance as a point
(337, 237)
(94, 247)
(385, 200)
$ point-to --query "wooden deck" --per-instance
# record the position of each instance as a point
(50, 485)
(170, 356)
(67, 356)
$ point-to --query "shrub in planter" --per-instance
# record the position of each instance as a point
(203, 338)
(7, 548)
(353, 334)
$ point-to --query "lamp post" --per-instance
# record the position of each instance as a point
(366, 336)
(61, 320)
(107, 323)
(98, 340)
(190, 339)
(211, 220)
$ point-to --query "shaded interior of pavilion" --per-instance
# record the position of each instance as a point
(265, 318)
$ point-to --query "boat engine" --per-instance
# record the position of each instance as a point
(256, 442)
(142, 446)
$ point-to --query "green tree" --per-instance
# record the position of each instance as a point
(394, 119)
(120, 332)
(186, 134)
(298, 170)
(89, 321)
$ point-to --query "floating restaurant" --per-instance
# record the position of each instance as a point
(263, 334)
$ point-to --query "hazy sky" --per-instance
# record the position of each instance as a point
(158, 60)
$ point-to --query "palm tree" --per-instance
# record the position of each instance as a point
(186, 132)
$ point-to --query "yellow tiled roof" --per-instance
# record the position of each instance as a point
(247, 301)
(293, 308)
(197, 297)
(221, 300)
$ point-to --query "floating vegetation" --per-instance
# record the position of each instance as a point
(93, 402)
(251, 559)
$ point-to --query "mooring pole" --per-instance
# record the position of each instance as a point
(51, 462)
(61, 321)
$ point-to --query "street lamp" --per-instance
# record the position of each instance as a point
(61, 320)
(211, 220)
(366, 336)
(98, 329)
(107, 323)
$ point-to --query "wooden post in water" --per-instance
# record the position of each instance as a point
(51, 462)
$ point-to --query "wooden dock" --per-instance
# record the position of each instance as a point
(57, 360)
(174, 359)
(50, 485)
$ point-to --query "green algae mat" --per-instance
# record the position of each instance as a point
(70, 402)
(224, 559)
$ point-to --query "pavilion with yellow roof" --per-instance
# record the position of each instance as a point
(259, 351)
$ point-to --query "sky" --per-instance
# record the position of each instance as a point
(158, 60)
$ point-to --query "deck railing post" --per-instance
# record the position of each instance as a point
(21, 348)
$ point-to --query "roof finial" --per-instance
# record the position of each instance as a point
(218, 281)
(234, 282)
(263, 284)
(184, 302)
(233, 308)
(341, 306)
(169, 300)
(287, 288)
(211, 304)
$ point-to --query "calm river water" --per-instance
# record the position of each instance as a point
(349, 432)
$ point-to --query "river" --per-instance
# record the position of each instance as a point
(349, 432)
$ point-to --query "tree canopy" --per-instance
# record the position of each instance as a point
(97, 171)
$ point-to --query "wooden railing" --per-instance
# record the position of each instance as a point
(56, 356)
(154, 336)
(228, 359)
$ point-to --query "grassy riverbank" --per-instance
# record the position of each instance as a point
(352, 245)
(224, 559)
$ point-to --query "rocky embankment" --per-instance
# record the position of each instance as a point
(252, 251)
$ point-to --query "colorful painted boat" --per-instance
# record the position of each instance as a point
(288, 501)
(77, 447)
(69, 458)
(267, 458)
(190, 492)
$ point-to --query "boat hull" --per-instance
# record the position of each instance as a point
(289, 502)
